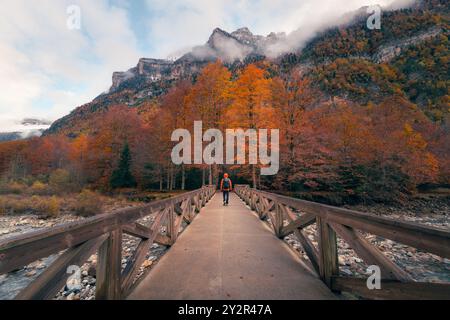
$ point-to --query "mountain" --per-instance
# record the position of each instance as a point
(25, 128)
(152, 77)
(408, 56)
(222, 45)
(10, 136)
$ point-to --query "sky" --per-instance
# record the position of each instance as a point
(47, 69)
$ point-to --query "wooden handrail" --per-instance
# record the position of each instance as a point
(102, 233)
(334, 221)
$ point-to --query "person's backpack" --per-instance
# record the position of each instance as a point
(226, 183)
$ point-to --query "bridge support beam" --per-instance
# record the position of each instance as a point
(108, 286)
(328, 251)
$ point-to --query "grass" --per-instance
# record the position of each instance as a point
(87, 203)
(44, 206)
(38, 199)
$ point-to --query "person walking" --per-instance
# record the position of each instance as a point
(226, 186)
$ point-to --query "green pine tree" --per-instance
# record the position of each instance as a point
(122, 177)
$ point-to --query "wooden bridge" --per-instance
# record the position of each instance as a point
(231, 252)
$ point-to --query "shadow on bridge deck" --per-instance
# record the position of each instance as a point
(228, 253)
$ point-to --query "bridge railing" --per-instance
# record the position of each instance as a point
(101, 234)
(289, 215)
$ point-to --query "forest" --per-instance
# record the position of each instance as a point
(348, 151)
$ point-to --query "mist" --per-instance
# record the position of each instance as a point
(312, 19)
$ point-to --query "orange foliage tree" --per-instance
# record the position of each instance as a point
(209, 100)
(251, 106)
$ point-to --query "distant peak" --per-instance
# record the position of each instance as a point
(217, 34)
(218, 30)
(243, 30)
(35, 122)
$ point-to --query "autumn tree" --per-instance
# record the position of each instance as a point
(118, 125)
(403, 131)
(251, 104)
(290, 97)
(157, 146)
(77, 155)
(209, 99)
(176, 114)
(12, 159)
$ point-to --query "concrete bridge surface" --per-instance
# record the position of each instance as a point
(228, 253)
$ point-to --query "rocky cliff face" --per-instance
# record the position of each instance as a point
(151, 69)
(228, 47)
(389, 51)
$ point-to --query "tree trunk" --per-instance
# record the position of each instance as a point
(160, 178)
(173, 180)
(210, 174)
(254, 175)
(168, 177)
(203, 176)
(216, 175)
(259, 179)
(183, 177)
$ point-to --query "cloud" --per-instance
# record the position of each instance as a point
(185, 23)
(46, 69)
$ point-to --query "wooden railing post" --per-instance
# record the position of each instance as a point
(197, 203)
(203, 198)
(278, 223)
(253, 200)
(211, 192)
(328, 251)
(108, 285)
(257, 205)
(191, 209)
(171, 232)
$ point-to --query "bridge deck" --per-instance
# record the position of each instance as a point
(228, 253)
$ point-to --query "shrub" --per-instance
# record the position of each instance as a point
(60, 181)
(12, 187)
(52, 206)
(87, 203)
(46, 207)
(28, 180)
(39, 188)
(15, 205)
(3, 186)
(17, 188)
(43, 206)
(3, 208)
